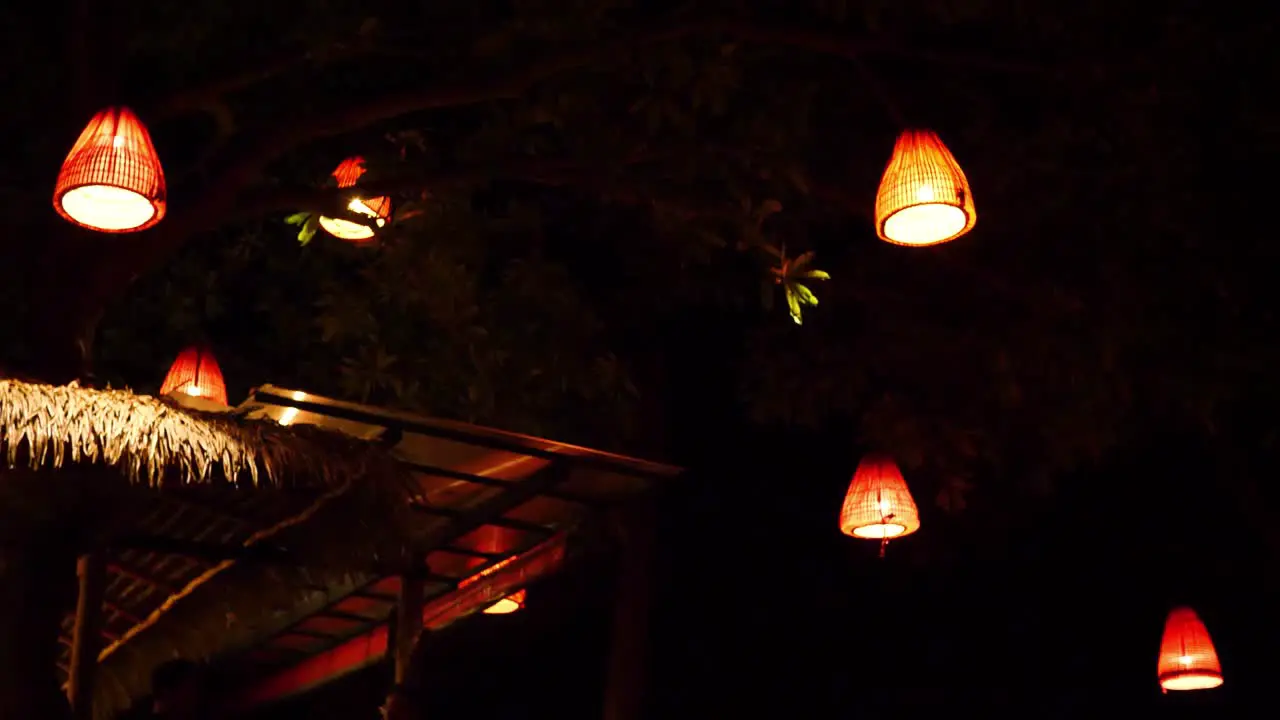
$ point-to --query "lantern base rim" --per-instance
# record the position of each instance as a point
(346, 230)
(505, 606)
(81, 205)
(879, 531)
(1191, 680)
(954, 219)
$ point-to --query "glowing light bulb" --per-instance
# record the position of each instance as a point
(924, 194)
(193, 390)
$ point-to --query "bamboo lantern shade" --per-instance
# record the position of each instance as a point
(111, 180)
(196, 373)
(879, 505)
(924, 198)
(507, 605)
(379, 208)
(1188, 660)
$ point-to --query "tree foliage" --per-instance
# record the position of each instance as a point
(574, 178)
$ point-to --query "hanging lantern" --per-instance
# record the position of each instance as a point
(111, 180)
(495, 540)
(508, 604)
(196, 374)
(379, 208)
(924, 198)
(1188, 660)
(878, 505)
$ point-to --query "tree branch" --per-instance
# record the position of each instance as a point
(201, 96)
(489, 86)
(224, 192)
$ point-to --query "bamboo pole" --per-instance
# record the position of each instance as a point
(86, 639)
(408, 620)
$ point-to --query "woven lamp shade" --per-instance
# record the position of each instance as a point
(924, 198)
(111, 180)
(495, 540)
(879, 505)
(508, 604)
(196, 373)
(1188, 660)
(347, 174)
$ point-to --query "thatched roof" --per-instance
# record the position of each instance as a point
(333, 493)
(165, 473)
(150, 440)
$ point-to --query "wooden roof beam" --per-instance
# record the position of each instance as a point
(136, 576)
(508, 523)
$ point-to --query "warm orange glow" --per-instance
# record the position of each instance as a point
(924, 198)
(111, 180)
(508, 604)
(367, 648)
(878, 505)
(196, 373)
(497, 540)
(1188, 660)
(379, 208)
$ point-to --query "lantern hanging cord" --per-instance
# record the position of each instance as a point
(884, 532)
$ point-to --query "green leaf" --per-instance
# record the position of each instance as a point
(793, 304)
(308, 230)
(297, 218)
(815, 275)
(805, 294)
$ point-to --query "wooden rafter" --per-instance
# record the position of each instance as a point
(137, 576)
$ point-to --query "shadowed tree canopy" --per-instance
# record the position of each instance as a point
(582, 186)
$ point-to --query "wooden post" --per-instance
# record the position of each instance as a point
(628, 654)
(86, 639)
(408, 620)
(405, 634)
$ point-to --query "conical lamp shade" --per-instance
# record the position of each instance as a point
(347, 174)
(196, 373)
(111, 180)
(878, 505)
(1188, 660)
(924, 198)
(508, 604)
(495, 540)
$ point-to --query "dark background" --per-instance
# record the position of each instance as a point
(1046, 603)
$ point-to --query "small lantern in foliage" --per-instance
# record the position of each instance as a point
(508, 604)
(1188, 660)
(378, 208)
(111, 180)
(196, 374)
(879, 505)
(924, 198)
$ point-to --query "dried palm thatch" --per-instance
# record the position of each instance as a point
(150, 440)
(249, 601)
(345, 511)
